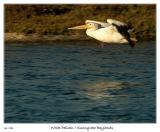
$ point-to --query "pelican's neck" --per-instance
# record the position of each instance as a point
(90, 32)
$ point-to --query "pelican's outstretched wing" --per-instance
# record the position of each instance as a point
(102, 24)
(123, 29)
(123, 25)
(118, 23)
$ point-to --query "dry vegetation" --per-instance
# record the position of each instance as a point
(55, 19)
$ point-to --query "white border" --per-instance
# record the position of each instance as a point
(83, 1)
(2, 66)
(148, 127)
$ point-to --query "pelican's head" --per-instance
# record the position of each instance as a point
(87, 25)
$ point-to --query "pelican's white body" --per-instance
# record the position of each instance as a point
(107, 34)
(111, 32)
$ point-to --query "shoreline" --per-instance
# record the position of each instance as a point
(34, 38)
(38, 38)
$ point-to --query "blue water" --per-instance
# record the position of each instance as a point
(80, 82)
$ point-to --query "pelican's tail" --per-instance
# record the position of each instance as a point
(132, 42)
(134, 39)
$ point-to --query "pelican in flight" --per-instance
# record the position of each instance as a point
(112, 31)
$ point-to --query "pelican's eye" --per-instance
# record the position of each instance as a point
(89, 24)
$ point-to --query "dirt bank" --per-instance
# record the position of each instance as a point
(20, 37)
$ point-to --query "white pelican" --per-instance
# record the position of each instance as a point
(111, 32)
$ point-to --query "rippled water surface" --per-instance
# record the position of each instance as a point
(79, 82)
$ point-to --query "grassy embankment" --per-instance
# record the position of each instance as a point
(50, 22)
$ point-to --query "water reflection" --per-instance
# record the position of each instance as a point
(104, 88)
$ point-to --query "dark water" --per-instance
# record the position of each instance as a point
(80, 82)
